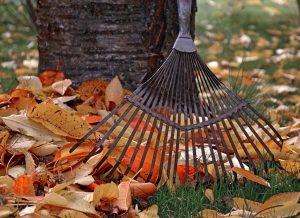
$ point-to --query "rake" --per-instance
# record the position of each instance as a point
(183, 117)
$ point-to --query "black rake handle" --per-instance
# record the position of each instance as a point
(184, 42)
(184, 15)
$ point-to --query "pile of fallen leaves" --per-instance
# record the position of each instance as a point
(44, 117)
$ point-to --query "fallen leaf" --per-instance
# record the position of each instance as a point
(58, 120)
(30, 82)
(244, 204)
(209, 194)
(208, 213)
(92, 87)
(250, 176)
(69, 200)
(282, 199)
(71, 214)
(142, 189)
(21, 123)
(114, 94)
(124, 200)
(290, 166)
(61, 86)
(150, 212)
(24, 186)
(105, 192)
(48, 77)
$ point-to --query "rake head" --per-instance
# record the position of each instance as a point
(183, 119)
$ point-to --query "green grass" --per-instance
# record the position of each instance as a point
(186, 202)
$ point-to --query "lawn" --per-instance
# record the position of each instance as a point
(253, 45)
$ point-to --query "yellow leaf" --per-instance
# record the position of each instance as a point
(123, 202)
(71, 214)
(209, 194)
(151, 212)
(290, 166)
(58, 120)
(250, 176)
(105, 192)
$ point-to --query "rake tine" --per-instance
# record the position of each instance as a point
(270, 125)
(155, 151)
(161, 165)
(257, 136)
(127, 145)
(215, 107)
(80, 141)
(205, 127)
(138, 145)
(148, 145)
(185, 112)
(107, 135)
(249, 138)
(193, 91)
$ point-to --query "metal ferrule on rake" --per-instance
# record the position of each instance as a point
(183, 116)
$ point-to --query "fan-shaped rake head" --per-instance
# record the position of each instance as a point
(183, 122)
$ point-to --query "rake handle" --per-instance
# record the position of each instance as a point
(184, 15)
(184, 42)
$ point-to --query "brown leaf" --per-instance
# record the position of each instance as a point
(209, 194)
(58, 120)
(250, 176)
(282, 199)
(244, 204)
(92, 87)
(105, 192)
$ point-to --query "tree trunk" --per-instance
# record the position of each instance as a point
(98, 39)
(298, 2)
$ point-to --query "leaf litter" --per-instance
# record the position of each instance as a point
(38, 174)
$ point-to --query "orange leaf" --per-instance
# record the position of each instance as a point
(91, 118)
(181, 171)
(250, 176)
(82, 151)
(50, 76)
(92, 87)
(142, 125)
(24, 186)
(123, 202)
(142, 189)
(147, 162)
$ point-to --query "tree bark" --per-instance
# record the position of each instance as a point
(98, 39)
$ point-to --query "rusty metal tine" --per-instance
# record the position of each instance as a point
(85, 137)
(200, 76)
(193, 89)
(138, 145)
(180, 79)
(107, 134)
(127, 144)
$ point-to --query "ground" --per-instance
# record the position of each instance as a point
(253, 45)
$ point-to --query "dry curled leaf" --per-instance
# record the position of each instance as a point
(123, 201)
(114, 94)
(21, 123)
(250, 176)
(59, 121)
